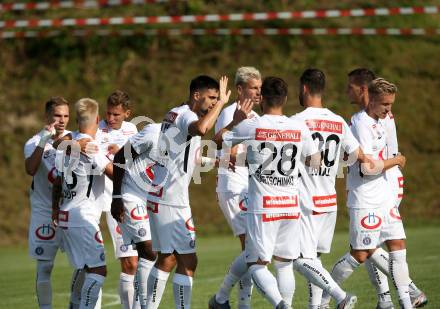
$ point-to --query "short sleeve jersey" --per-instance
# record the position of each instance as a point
(368, 191)
(176, 158)
(228, 180)
(107, 136)
(41, 188)
(139, 174)
(79, 172)
(275, 145)
(332, 135)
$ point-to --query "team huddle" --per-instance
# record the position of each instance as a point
(275, 187)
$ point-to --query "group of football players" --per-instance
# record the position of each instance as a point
(275, 187)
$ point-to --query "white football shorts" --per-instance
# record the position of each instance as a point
(234, 206)
(121, 249)
(365, 228)
(392, 226)
(43, 238)
(136, 225)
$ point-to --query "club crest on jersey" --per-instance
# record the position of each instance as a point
(39, 251)
(371, 221)
(394, 213)
(139, 213)
(45, 232)
(189, 224)
(98, 237)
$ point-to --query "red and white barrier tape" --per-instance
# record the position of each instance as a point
(76, 4)
(224, 31)
(144, 20)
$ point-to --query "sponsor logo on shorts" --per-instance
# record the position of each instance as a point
(277, 217)
(192, 243)
(189, 224)
(243, 204)
(394, 213)
(142, 232)
(366, 241)
(371, 221)
(102, 256)
(39, 251)
(98, 237)
(139, 213)
(123, 248)
(45, 232)
(280, 201)
(153, 207)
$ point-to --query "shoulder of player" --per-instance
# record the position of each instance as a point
(33, 140)
(128, 128)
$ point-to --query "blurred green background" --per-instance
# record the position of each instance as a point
(155, 71)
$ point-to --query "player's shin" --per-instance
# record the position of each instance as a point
(245, 291)
(155, 287)
(126, 290)
(237, 270)
(90, 291)
(379, 280)
(77, 282)
(143, 272)
(285, 279)
(182, 288)
(315, 292)
(266, 283)
(43, 285)
(400, 276)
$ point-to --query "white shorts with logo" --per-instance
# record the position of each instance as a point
(365, 228)
(121, 249)
(84, 246)
(317, 229)
(136, 225)
(234, 206)
(392, 225)
(272, 234)
(44, 239)
(172, 228)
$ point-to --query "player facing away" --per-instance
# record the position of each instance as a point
(370, 197)
(112, 134)
(357, 92)
(39, 154)
(232, 189)
(172, 227)
(317, 187)
(79, 185)
(131, 185)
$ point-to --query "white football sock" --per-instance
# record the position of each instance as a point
(413, 287)
(43, 285)
(319, 276)
(126, 290)
(315, 292)
(75, 288)
(182, 287)
(266, 283)
(285, 279)
(90, 290)
(245, 291)
(143, 271)
(237, 270)
(400, 276)
(379, 280)
(156, 286)
(136, 302)
(99, 300)
(380, 258)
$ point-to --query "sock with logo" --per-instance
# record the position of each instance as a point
(237, 270)
(266, 283)
(400, 276)
(285, 279)
(142, 273)
(90, 290)
(245, 286)
(43, 285)
(76, 284)
(379, 281)
(182, 288)
(126, 290)
(315, 292)
(156, 286)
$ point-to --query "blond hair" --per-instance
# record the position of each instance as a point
(244, 74)
(86, 111)
(380, 87)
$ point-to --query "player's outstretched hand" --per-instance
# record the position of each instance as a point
(243, 110)
(224, 92)
(117, 209)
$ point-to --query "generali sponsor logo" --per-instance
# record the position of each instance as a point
(280, 201)
(324, 125)
(277, 135)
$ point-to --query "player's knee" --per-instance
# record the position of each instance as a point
(129, 265)
(360, 255)
(44, 269)
(102, 270)
(165, 262)
(396, 244)
(145, 251)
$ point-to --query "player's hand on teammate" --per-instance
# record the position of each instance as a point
(401, 160)
(243, 111)
(113, 149)
(224, 93)
(55, 214)
(117, 209)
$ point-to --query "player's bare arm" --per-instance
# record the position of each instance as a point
(56, 199)
(205, 123)
(370, 166)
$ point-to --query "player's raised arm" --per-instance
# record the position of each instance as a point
(33, 162)
(206, 122)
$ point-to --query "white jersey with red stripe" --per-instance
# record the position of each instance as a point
(80, 175)
(139, 174)
(41, 188)
(176, 158)
(228, 180)
(275, 145)
(332, 135)
(368, 191)
(107, 136)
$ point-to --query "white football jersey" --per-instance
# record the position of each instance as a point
(275, 145)
(176, 158)
(331, 134)
(368, 191)
(228, 180)
(139, 174)
(79, 173)
(41, 188)
(105, 137)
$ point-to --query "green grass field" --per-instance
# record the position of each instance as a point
(215, 254)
